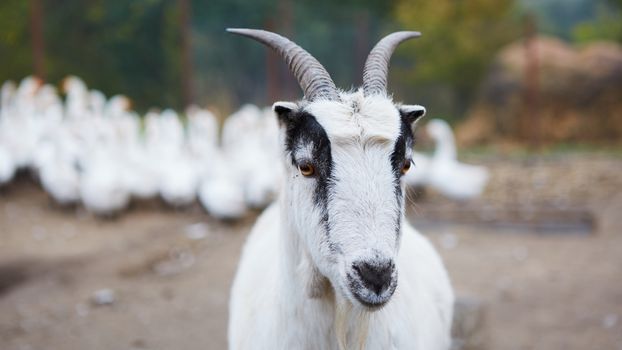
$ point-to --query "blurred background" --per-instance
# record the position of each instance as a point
(136, 151)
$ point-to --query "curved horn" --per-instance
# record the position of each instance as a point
(313, 78)
(377, 63)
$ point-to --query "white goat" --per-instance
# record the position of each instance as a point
(320, 267)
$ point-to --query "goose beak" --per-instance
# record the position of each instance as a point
(38, 82)
(64, 84)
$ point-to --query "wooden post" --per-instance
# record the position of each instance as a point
(272, 72)
(361, 45)
(288, 87)
(531, 125)
(187, 62)
(37, 40)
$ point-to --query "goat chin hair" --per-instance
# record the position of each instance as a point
(354, 319)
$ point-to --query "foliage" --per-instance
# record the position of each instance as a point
(607, 25)
(119, 47)
(15, 53)
(134, 47)
(577, 20)
(458, 43)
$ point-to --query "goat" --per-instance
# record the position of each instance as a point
(320, 267)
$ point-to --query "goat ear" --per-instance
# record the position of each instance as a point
(412, 113)
(284, 110)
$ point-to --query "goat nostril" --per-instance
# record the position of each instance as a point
(377, 276)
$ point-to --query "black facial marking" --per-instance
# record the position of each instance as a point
(302, 129)
(403, 142)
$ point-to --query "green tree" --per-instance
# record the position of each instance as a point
(116, 46)
(15, 50)
(607, 24)
(459, 41)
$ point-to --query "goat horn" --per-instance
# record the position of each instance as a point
(313, 78)
(377, 63)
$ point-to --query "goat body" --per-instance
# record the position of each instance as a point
(277, 304)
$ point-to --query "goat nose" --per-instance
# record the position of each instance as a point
(375, 275)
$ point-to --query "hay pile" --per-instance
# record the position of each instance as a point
(578, 95)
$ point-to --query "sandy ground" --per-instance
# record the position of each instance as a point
(170, 271)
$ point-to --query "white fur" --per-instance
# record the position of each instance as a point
(291, 292)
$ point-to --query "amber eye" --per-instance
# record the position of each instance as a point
(406, 166)
(306, 169)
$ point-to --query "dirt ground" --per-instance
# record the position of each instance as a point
(542, 251)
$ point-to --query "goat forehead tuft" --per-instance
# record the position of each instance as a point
(356, 118)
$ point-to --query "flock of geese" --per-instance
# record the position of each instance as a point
(94, 150)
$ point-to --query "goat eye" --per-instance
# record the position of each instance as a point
(306, 169)
(406, 166)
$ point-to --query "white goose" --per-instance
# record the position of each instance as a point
(240, 126)
(55, 156)
(129, 149)
(7, 99)
(419, 173)
(264, 174)
(102, 187)
(103, 184)
(250, 142)
(49, 110)
(19, 126)
(221, 192)
(202, 137)
(142, 177)
(76, 104)
(179, 178)
(58, 169)
(7, 164)
(96, 103)
(450, 177)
